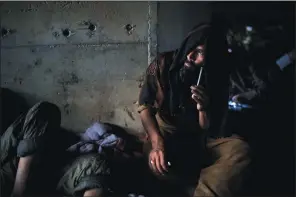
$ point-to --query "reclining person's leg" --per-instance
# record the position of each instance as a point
(87, 175)
(22, 142)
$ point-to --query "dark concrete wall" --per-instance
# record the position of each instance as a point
(176, 19)
(90, 75)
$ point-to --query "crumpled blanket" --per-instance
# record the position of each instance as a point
(95, 139)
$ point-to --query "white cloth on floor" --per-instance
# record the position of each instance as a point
(95, 139)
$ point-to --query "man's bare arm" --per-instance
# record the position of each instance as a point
(202, 100)
(157, 159)
(204, 120)
(151, 126)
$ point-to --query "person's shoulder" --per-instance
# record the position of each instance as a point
(167, 55)
(164, 58)
(160, 62)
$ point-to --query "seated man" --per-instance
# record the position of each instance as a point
(257, 80)
(256, 69)
(247, 86)
(253, 82)
(176, 114)
(26, 159)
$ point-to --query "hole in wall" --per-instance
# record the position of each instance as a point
(92, 27)
(4, 32)
(128, 27)
(66, 32)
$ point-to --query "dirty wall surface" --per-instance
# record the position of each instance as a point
(86, 57)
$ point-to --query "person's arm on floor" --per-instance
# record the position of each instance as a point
(94, 193)
(22, 175)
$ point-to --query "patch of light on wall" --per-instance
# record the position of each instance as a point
(249, 28)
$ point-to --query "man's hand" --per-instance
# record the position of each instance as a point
(239, 99)
(200, 97)
(244, 98)
(157, 160)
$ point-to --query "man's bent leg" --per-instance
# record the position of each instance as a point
(25, 138)
(225, 176)
(88, 174)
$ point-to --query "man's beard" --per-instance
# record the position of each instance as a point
(188, 76)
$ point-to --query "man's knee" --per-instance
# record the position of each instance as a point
(238, 152)
(225, 177)
(41, 124)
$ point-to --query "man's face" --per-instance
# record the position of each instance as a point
(195, 58)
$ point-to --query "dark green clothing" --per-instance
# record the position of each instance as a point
(57, 172)
(27, 135)
(85, 172)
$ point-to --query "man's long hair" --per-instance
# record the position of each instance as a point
(218, 71)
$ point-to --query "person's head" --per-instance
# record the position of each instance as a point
(192, 49)
(205, 46)
(192, 53)
(195, 58)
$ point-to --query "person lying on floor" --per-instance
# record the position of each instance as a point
(126, 160)
(124, 153)
(30, 159)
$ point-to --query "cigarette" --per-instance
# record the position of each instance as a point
(199, 76)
